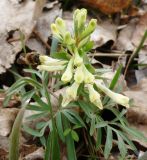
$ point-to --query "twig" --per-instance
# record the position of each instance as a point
(136, 51)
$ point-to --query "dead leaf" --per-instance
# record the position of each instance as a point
(138, 113)
(108, 6)
(7, 118)
(43, 27)
(140, 30)
(38, 154)
(124, 42)
(13, 17)
(104, 33)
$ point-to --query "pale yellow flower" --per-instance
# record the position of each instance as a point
(70, 95)
(118, 98)
(50, 68)
(78, 60)
(88, 76)
(46, 60)
(79, 74)
(67, 75)
(94, 96)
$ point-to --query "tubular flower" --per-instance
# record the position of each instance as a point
(67, 75)
(50, 68)
(46, 60)
(79, 74)
(89, 77)
(78, 60)
(118, 98)
(71, 94)
(72, 91)
(55, 31)
(94, 96)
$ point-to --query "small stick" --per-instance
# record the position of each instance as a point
(136, 51)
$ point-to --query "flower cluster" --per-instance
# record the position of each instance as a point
(75, 69)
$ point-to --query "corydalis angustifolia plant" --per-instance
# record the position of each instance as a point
(77, 68)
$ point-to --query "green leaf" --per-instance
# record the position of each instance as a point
(41, 102)
(67, 131)
(61, 55)
(99, 138)
(88, 46)
(33, 72)
(90, 68)
(76, 116)
(85, 107)
(75, 136)
(108, 144)
(35, 116)
(121, 146)
(15, 136)
(34, 132)
(92, 127)
(36, 108)
(101, 124)
(28, 95)
(69, 142)
(115, 78)
(134, 132)
(60, 126)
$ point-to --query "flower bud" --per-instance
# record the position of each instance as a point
(60, 24)
(78, 60)
(89, 77)
(68, 39)
(79, 75)
(90, 28)
(55, 31)
(67, 75)
(81, 18)
(94, 96)
(118, 98)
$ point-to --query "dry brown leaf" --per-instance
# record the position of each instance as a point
(108, 6)
(38, 154)
(104, 33)
(124, 38)
(43, 27)
(138, 113)
(14, 16)
(140, 30)
(7, 118)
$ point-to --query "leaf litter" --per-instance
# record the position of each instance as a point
(111, 38)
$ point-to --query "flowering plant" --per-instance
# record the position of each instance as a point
(85, 89)
(76, 69)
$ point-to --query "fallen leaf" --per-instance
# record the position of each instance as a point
(7, 118)
(140, 30)
(138, 113)
(37, 154)
(13, 17)
(108, 6)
